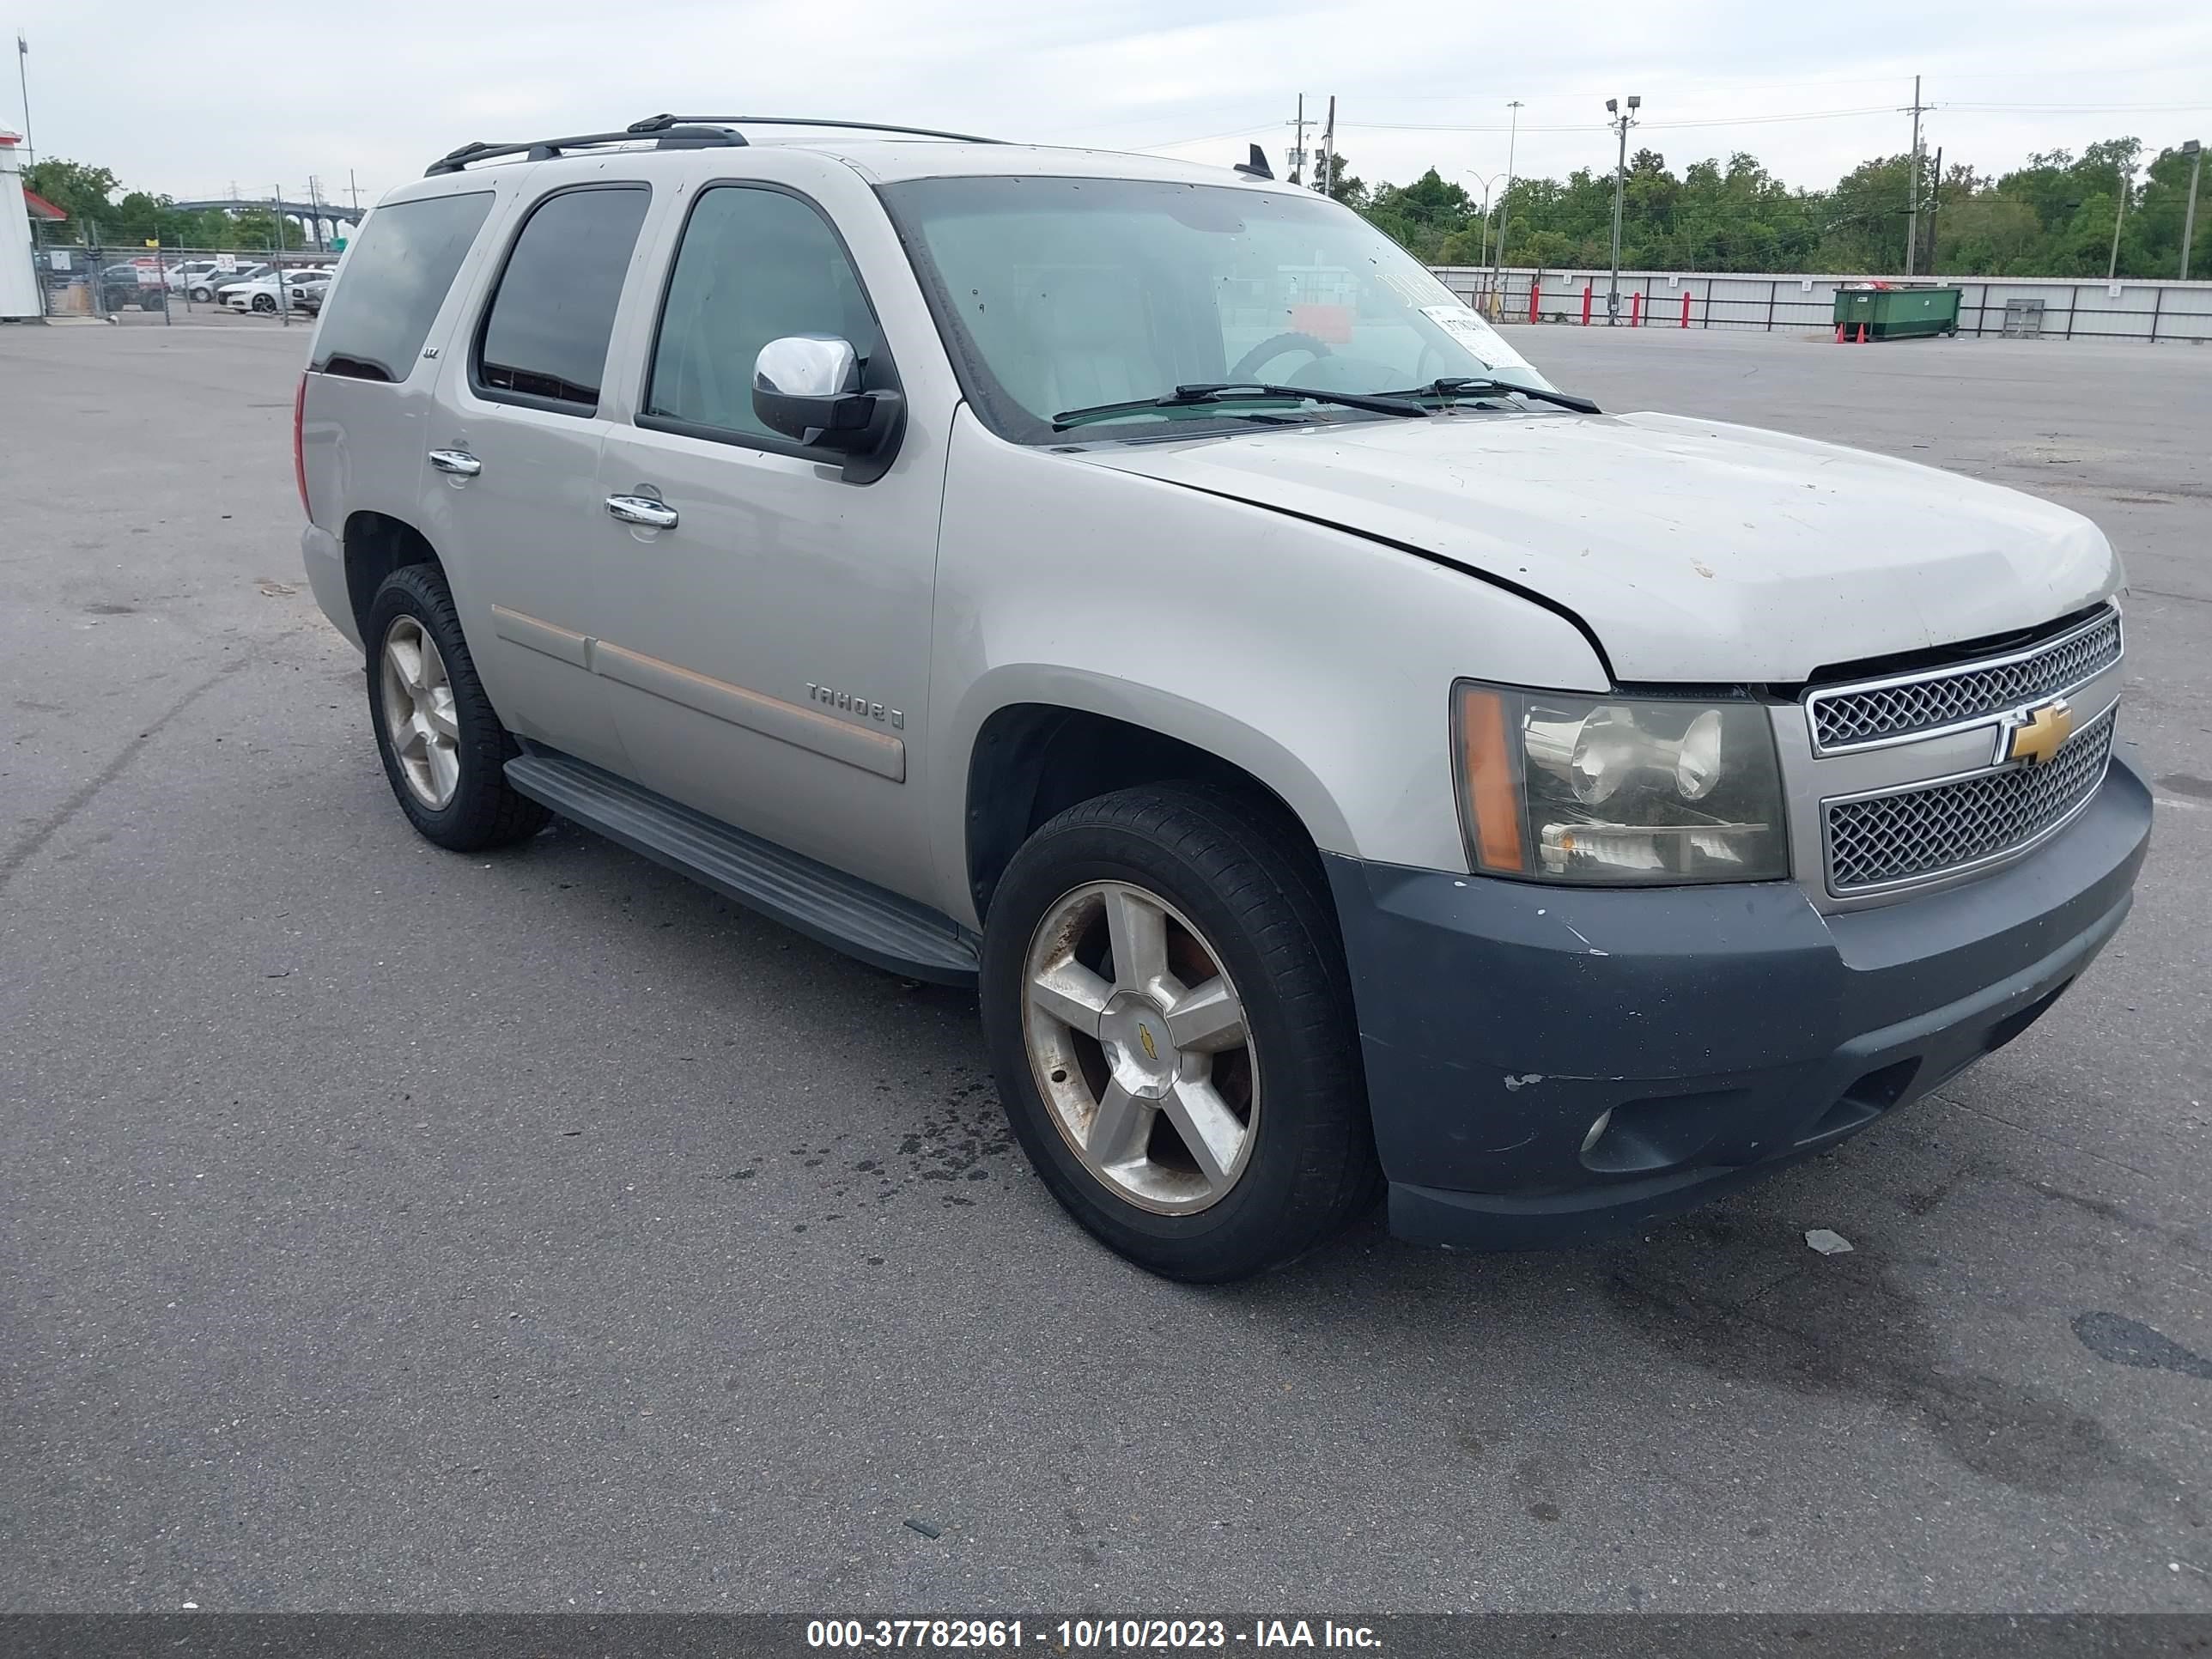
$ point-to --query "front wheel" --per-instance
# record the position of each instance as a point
(444, 749)
(264, 302)
(1169, 1020)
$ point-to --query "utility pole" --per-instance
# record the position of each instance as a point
(2195, 151)
(2119, 213)
(1328, 150)
(315, 201)
(353, 186)
(1298, 155)
(1622, 119)
(1912, 187)
(276, 259)
(23, 81)
(1497, 269)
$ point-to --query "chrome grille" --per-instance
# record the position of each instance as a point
(1853, 715)
(1909, 834)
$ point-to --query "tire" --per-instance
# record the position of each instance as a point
(264, 303)
(1236, 882)
(202, 295)
(467, 806)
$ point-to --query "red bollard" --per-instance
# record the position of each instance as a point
(1586, 303)
(1536, 286)
(1686, 309)
(1635, 311)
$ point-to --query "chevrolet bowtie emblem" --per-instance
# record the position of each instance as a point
(1145, 1037)
(2033, 735)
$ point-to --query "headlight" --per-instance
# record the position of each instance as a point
(1617, 791)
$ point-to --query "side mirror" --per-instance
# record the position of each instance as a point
(807, 386)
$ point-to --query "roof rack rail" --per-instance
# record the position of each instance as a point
(653, 123)
(672, 135)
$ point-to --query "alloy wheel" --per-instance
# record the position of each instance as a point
(1139, 1046)
(418, 714)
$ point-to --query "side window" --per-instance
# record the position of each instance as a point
(754, 266)
(544, 340)
(396, 277)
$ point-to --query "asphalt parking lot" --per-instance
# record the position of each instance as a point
(382, 1228)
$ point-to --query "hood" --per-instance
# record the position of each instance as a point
(1693, 549)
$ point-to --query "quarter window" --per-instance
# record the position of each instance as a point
(754, 266)
(544, 340)
(396, 278)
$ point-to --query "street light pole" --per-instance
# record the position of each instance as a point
(1498, 265)
(2195, 151)
(2119, 214)
(23, 81)
(1328, 150)
(1487, 185)
(1623, 120)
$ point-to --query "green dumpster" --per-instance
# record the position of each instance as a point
(1896, 314)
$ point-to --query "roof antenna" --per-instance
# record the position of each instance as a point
(1257, 166)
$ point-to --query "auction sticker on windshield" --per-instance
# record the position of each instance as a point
(1467, 328)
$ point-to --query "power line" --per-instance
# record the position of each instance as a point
(2090, 109)
(1605, 126)
(1781, 119)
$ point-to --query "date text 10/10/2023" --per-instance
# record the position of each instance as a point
(1085, 1635)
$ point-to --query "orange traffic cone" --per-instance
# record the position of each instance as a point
(1862, 333)
(1840, 334)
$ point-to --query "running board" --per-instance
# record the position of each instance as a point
(854, 916)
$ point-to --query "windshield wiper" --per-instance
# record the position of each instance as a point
(1464, 386)
(1232, 391)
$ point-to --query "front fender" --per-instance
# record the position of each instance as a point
(1313, 659)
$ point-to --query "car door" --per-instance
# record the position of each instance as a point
(513, 453)
(767, 652)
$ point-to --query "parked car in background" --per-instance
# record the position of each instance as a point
(207, 286)
(261, 290)
(121, 290)
(307, 288)
(192, 277)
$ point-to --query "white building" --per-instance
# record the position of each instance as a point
(18, 280)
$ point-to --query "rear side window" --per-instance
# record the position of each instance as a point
(396, 277)
(544, 341)
(755, 265)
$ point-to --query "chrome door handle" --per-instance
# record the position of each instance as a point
(642, 509)
(459, 462)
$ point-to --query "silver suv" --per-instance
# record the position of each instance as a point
(1339, 759)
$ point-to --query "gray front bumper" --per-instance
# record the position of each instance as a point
(1726, 1030)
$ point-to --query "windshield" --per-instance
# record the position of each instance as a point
(1058, 295)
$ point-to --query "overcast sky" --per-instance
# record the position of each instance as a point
(192, 100)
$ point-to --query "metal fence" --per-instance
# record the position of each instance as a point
(77, 280)
(2048, 309)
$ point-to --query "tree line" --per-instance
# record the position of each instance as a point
(102, 213)
(2052, 218)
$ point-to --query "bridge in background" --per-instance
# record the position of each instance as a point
(319, 219)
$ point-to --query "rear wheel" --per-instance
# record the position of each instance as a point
(1169, 1020)
(445, 751)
